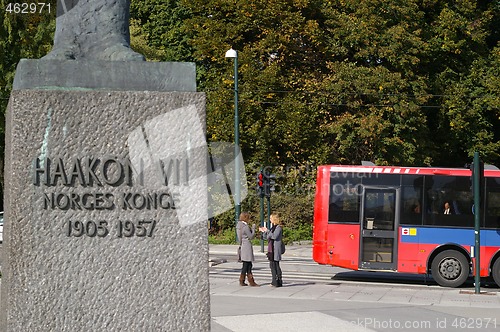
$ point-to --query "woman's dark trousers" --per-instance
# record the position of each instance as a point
(276, 273)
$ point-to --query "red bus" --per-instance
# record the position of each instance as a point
(407, 220)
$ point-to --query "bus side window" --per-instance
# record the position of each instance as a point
(344, 199)
(411, 212)
(339, 213)
(493, 209)
(449, 201)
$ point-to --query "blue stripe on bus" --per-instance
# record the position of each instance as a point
(445, 235)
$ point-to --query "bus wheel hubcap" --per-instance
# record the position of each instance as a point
(450, 268)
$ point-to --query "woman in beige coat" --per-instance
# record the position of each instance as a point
(245, 234)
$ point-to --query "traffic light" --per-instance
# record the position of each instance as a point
(269, 182)
(260, 184)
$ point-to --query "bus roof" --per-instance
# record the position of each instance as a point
(405, 170)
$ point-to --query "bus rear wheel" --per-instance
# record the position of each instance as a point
(450, 268)
(496, 272)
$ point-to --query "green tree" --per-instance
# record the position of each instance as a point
(160, 23)
(394, 82)
(344, 81)
(472, 107)
(278, 44)
(462, 38)
(405, 82)
(21, 36)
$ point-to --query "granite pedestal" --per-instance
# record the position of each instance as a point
(105, 218)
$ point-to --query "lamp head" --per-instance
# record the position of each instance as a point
(231, 53)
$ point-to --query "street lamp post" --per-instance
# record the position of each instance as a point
(237, 204)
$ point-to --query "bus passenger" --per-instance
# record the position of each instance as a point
(447, 208)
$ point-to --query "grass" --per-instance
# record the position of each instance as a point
(228, 236)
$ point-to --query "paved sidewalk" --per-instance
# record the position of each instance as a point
(350, 291)
(341, 305)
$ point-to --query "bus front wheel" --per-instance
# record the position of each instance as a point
(496, 272)
(450, 268)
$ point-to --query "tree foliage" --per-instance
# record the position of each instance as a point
(161, 22)
(394, 82)
(21, 36)
(403, 82)
(341, 81)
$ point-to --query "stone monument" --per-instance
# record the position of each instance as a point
(90, 29)
(105, 218)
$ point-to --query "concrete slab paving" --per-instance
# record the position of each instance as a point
(369, 294)
(398, 295)
(317, 292)
(291, 322)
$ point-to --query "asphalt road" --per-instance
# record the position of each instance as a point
(322, 298)
(305, 269)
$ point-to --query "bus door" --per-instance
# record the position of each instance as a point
(379, 236)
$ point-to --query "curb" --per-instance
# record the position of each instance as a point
(216, 261)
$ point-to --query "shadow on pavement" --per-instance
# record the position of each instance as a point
(295, 284)
(402, 278)
(385, 277)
